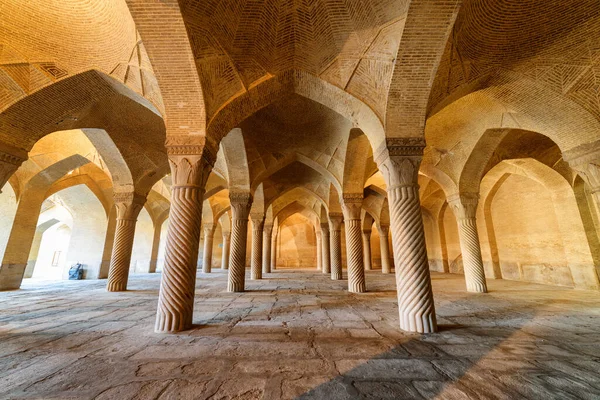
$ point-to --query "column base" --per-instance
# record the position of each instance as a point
(172, 323)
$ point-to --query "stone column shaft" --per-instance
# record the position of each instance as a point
(351, 204)
(366, 239)
(266, 243)
(190, 167)
(399, 163)
(386, 267)
(240, 210)
(257, 245)
(274, 250)
(319, 249)
(155, 246)
(325, 244)
(336, 246)
(209, 234)
(465, 209)
(225, 252)
(128, 207)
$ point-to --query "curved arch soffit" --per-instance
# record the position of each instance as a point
(304, 84)
(301, 189)
(303, 160)
(527, 106)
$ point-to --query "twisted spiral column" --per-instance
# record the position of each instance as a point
(351, 205)
(465, 209)
(225, 253)
(240, 209)
(400, 168)
(128, 208)
(209, 233)
(325, 244)
(177, 287)
(274, 251)
(384, 246)
(319, 249)
(266, 243)
(366, 240)
(257, 244)
(336, 246)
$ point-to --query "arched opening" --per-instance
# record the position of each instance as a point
(536, 232)
(297, 243)
(71, 229)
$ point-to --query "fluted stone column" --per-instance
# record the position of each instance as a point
(266, 243)
(209, 234)
(335, 245)
(128, 207)
(225, 252)
(258, 223)
(351, 205)
(464, 207)
(366, 240)
(190, 167)
(399, 164)
(325, 253)
(384, 246)
(274, 249)
(240, 209)
(319, 249)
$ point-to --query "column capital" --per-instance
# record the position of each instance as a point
(209, 228)
(258, 224)
(464, 205)
(383, 230)
(352, 205)
(325, 228)
(128, 205)
(400, 160)
(190, 164)
(366, 231)
(241, 203)
(335, 221)
(585, 160)
(268, 228)
(11, 159)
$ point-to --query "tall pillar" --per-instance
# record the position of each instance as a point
(399, 164)
(335, 245)
(266, 243)
(351, 205)
(258, 223)
(366, 240)
(225, 252)
(464, 206)
(190, 167)
(274, 249)
(319, 249)
(155, 246)
(384, 246)
(240, 209)
(209, 235)
(325, 254)
(128, 207)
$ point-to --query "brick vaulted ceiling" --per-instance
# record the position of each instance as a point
(239, 43)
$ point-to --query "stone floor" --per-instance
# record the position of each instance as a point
(298, 335)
